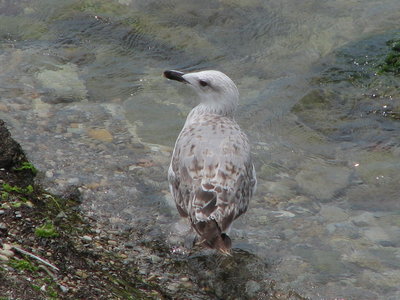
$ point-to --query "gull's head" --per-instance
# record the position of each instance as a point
(216, 90)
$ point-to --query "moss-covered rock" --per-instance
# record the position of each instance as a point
(392, 60)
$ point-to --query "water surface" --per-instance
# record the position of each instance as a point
(81, 89)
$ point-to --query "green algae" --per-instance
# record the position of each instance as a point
(391, 63)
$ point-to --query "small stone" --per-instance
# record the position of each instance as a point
(82, 274)
(63, 288)
(111, 242)
(100, 134)
(2, 211)
(3, 108)
(333, 213)
(173, 287)
(185, 279)
(155, 258)
(29, 204)
(49, 174)
(129, 245)
(365, 219)
(61, 215)
(7, 246)
(3, 226)
(376, 234)
(3, 258)
(87, 238)
(252, 288)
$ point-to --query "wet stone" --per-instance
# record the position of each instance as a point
(155, 258)
(3, 258)
(252, 288)
(86, 238)
(322, 180)
(365, 219)
(100, 134)
(333, 213)
(7, 253)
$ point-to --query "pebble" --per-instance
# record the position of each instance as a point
(7, 246)
(129, 245)
(185, 279)
(252, 288)
(333, 213)
(3, 258)
(173, 287)
(82, 274)
(155, 259)
(3, 108)
(100, 134)
(376, 234)
(363, 220)
(63, 288)
(86, 238)
(3, 226)
(2, 211)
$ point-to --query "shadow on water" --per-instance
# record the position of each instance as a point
(241, 275)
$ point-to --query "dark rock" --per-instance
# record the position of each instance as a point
(12, 157)
(11, 153)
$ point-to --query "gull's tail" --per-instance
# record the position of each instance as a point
(212, 237)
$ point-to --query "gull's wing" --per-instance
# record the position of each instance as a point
(211, 175)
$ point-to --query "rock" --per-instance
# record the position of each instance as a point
(3, 107)
(3, 258)
(333, 213)
(252, 288)
(10, 151)
(155, 259)
(173, 287)
(376, 234)
(82, 274)
(86, 238)
(365, 219)
(100, 134)
(64, 83)
(63, 288)
(322, 180)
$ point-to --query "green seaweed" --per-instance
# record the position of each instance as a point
(22, 264)
(27, 166)
(47, 230)
(16, 189)
(391, 63)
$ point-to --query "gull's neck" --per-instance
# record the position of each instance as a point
(206, 108)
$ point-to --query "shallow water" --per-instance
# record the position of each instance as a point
(81, 89)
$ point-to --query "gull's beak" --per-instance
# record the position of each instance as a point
(175, 75)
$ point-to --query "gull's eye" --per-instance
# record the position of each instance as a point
(203, 83)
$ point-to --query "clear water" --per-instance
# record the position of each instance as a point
(82, 91)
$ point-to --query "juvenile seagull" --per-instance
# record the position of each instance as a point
(211, 176)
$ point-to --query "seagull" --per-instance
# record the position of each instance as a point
(211, 175)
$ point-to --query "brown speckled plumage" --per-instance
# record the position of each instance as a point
(211, 175)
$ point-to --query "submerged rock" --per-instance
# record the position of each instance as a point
(63, 83)
(322, 180)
